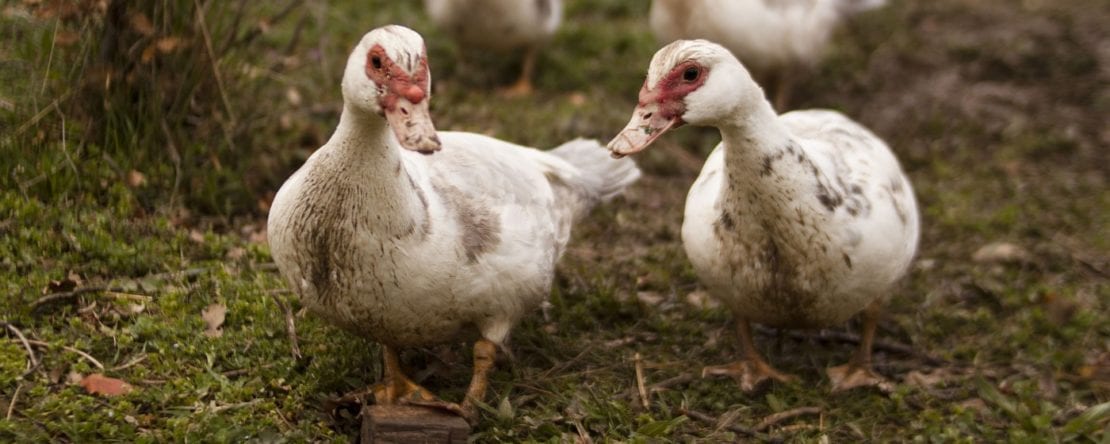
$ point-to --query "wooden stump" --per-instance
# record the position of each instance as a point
(383, 424)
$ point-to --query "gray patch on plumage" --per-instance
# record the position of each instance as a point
(481, 227)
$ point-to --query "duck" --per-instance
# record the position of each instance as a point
(776, 39)
(798, 220)
(501, 26)
(413, 237)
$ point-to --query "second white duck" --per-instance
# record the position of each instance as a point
(796, 221)
(774, 38)
(382, 237)
(501, 25)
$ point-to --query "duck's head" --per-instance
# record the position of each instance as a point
(387, 75)
(689, 81)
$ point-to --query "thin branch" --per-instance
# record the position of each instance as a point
(72, 294)
(87, 356)
(640, 386)
(733, 427)
(15, 398)
(30, 352)
(130, 363)
(290, 327)
(776, 418)
(212, 58)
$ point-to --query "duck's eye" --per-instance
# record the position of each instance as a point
(376, 62)
(691, 74)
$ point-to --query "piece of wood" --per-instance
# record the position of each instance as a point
(382, 424)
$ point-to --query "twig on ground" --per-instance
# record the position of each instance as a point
(15, 398)
(776, 418)
(640, 386)
(243, 371)
(733, 427)
(290, 327)
(661, 385)
(34, 361)
(130, 363)
(87, 356)
(851, 338)
(72, 294)
(214, 61)
(220, 408)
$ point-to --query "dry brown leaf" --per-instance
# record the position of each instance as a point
(141, 24)
(196, 236)
(66, 38)
(167, 45)
(926, 380)
(1002, 252)
(135, 179)
(649, 298)
(98, 384)
(213, 316)
(236, 253)
(701, 299)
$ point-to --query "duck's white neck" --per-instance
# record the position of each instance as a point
(765, 166)
(361, 173)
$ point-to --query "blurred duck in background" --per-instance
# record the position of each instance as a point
(502, 26)
(776, 39)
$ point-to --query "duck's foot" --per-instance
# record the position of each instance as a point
(850, 376)
(522, 88)
(749, 374)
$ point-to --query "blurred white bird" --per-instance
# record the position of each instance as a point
(501, 25)
(774, 38)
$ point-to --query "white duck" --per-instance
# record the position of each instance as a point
(797, 221)
(501, 25)
(412, 249)
(774, 38)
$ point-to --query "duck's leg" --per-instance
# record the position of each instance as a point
(523, 85)
(781, 90)
(485, 351)
(857, 372)
(751, 370)
(395, 387)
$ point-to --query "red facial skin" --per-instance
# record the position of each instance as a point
(392, 78)
(670, 91)
(659, 109)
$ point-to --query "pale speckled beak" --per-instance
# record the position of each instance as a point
(412, 124)
(647, 124)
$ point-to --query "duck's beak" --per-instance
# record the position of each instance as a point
(411, 122)
(647, 124)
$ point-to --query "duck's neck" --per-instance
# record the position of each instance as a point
(363, 176)
(766, 169)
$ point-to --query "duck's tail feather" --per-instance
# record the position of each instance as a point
(597, 176)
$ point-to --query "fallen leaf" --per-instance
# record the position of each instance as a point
(196, 236)
(98, 384)
(135, 179)
(213, 316)
(701, 299)
(974, 404)
(926, 380)
(649, 298)
(141, 24)
(167, 45)
(236, 253)
(74, 378)
(1002, 252)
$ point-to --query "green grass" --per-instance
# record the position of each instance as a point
(997, 112)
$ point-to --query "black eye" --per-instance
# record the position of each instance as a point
(376, 61)
(691, 74)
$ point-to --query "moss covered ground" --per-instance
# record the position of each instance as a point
(997, 109)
